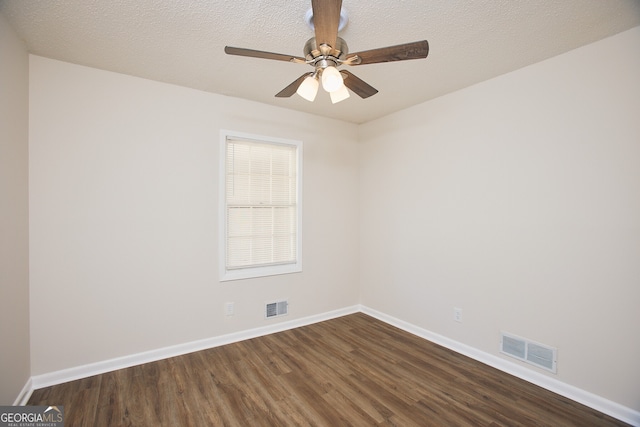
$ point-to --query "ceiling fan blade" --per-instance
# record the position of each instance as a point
(401, 52)
(293, 87)
(326, 18)
(359, 86)
(264, 55)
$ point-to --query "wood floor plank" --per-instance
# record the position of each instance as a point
(353, 370)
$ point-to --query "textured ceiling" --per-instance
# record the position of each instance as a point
(182, 42)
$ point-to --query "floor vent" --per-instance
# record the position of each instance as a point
(530, 352)
(275, 309)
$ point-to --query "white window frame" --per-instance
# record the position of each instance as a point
(257, 271)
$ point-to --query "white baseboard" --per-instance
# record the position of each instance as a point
(25, 394)
(596, 402)
(84, 371)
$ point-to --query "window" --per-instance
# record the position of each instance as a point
(260, 196)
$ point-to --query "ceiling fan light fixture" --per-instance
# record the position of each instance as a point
(331, 79)
(339, 95)
(309, 88)
(326, 51)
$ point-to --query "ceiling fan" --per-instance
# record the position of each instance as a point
(326, 52)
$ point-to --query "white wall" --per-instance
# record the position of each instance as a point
(14, 215)
(517, 200)
(124, 238)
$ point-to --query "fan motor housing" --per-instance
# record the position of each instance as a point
(313, 52)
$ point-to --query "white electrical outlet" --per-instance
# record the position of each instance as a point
(228, 309)
(457, 314)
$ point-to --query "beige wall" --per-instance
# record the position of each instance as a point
(14, 215)
(517, 200)
(124, 225)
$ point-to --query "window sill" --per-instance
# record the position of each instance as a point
(255, 272)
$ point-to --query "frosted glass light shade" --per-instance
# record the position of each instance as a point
(308, 89)
(339, 95)
(331, 79)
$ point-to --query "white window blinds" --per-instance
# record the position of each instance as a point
(261, 204)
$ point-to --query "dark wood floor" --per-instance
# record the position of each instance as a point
(354, 370)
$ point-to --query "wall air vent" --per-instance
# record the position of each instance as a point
(275, 309)
(543, 356)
